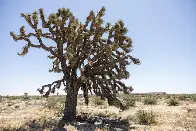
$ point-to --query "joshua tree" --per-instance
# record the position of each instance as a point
(92, 56)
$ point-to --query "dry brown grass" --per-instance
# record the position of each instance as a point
(15, 113)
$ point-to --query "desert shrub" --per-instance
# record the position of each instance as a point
(182, 97)
(173, 102)
(13, 97)
(10, 104)
(193, 97)
(36, 97)
(167, 96)
(130, 103)
(40, 124)
(1, 98)
(128, 100)
(98, 101)
(150, 100)
(25, 97)
(137, 98)
(56, 103)
(51, 103)
(17, 106)
(145, 118)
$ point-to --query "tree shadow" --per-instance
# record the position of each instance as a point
(92, 123)
(82, 124)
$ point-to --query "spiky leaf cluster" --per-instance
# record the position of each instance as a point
(93, 55)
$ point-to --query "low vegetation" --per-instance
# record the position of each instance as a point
(173, 102)
(150, 100)
(98, 101)
(128, 100)
(38, 113)
(145, 118)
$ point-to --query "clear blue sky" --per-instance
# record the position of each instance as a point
(163, 33)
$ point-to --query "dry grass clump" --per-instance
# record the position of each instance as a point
(54, 102)
(150, 100)
(17, 106)
(193, 97)
(173, 102)
(1, 98)
(145, 118)
(51, 103)
(128, 100)
(98, 101)
(41, 124)
(188, 119)
(184, 97)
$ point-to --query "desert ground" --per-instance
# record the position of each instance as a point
(143, 113)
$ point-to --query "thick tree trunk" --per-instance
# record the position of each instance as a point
(69, 114)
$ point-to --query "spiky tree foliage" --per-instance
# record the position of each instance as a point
(92, 56)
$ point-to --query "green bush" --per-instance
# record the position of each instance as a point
(173, 102)
(145, 118)
(150, 100)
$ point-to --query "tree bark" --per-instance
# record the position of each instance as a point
(69, 114)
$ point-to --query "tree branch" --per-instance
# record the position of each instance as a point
(52, 87)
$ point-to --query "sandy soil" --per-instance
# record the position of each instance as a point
(17, 113)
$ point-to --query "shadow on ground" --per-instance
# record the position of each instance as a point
(83, 124)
